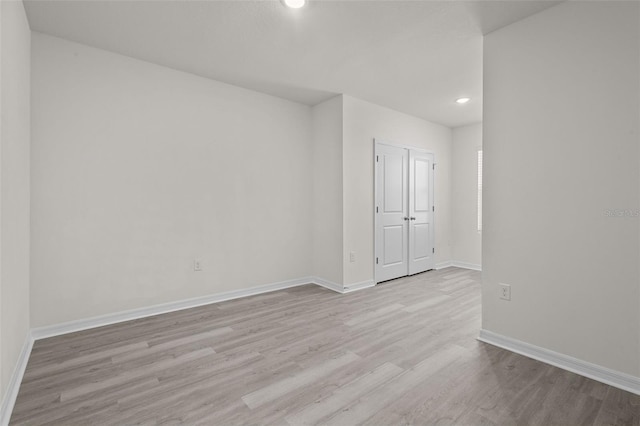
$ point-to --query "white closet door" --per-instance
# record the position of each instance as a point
(391, 216)
(421, 212)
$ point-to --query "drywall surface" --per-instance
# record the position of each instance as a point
(327, 190)
(364, 121)
(138, 170)
(561, 182)
(467, 240)
(14, 182)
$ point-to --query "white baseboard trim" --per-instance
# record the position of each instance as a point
(605, 375)
(359, 286)
(443, 265)
(338, 288)
(117, 317)
(458, 264)
(11, 394)
(108, 319)
(466, 265)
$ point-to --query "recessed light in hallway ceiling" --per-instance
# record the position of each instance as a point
(294, 4)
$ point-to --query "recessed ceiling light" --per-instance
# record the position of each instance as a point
(463, 100)
(294, 4)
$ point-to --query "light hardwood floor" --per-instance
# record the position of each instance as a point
(404, 352)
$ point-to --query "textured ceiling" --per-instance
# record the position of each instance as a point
(413, 56)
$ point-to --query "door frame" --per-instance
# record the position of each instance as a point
(377, 142)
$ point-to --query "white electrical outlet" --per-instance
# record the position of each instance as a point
(197, 265)
(352, 256)
(505, 291)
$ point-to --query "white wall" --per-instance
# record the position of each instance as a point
(467, 241)
(561, 139)
(15, 39)
(142, 169)
(327, 190)
(138, 169)
(364, 121)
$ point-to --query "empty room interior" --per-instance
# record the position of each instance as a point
(302, 212)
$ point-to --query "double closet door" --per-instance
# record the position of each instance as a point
(404, 241)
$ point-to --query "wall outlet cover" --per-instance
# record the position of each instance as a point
(504, 291)
(197, 265)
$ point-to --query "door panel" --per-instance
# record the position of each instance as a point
(421, 246)
(393, 242)
(421, 238)
(391, 227)
(393, 183)
(421, 184)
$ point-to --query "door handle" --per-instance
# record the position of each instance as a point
(412, 218)
(406, 218)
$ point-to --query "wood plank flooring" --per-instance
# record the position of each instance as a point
(404, 352)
